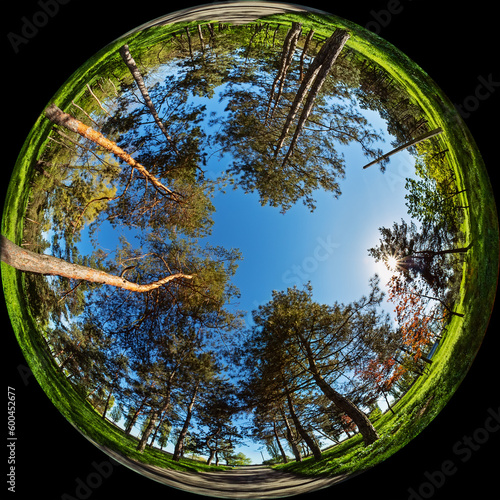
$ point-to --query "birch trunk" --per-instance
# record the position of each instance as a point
(134, 70)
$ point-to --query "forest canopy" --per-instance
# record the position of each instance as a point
(192, 141)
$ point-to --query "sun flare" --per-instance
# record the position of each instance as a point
(386, 268)
(391, 263)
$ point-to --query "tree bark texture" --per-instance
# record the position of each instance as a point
(290, 438)
(335, 45)
(364, 425)
(55, 115)
(147, 432)
(406, 145)
(179, 446)
(276, 436)
(134, 418)
(300, 429)
(432, 253)
(289, 46)
(153, 437)
(28, 261)
(134, 70)
(155, 415)
(313, 81)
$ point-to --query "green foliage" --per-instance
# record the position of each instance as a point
(307, 162)
(116, 413)
(430, 205)
(238, 459)
(425, 398)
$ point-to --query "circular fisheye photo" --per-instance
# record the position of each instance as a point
(249, 250)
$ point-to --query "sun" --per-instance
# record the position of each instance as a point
(391, 263)
(386, 268)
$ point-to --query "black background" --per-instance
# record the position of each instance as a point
(455, 43)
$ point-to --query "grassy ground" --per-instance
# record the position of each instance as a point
(454, 356)
(459, 347)
(62, 394)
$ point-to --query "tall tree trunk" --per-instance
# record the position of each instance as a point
(300, 429)
(211, 457)
(442, 302)
(157, 428)
(202, 41)
(132, 66)
(147, 432)
(387, 401)
(111, 389)
(299, 97)
(179, 446)
(314, 79)
(290, 438)
(289, 46)
(282, 451)
(133, 420)
(25, 260)
(364, 425)
(432, 253)
(304, 51)
(335, 45)
(257, 29)
(190, 46)
(97, 100)
(107, 403)
(154, 418)
(55, 115)
(406, 145)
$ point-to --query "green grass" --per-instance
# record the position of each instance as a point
(28, 333)
(64, 396)
(452, 360)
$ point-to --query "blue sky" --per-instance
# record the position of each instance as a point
(327, 247)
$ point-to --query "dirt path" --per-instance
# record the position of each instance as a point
(241, 482)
